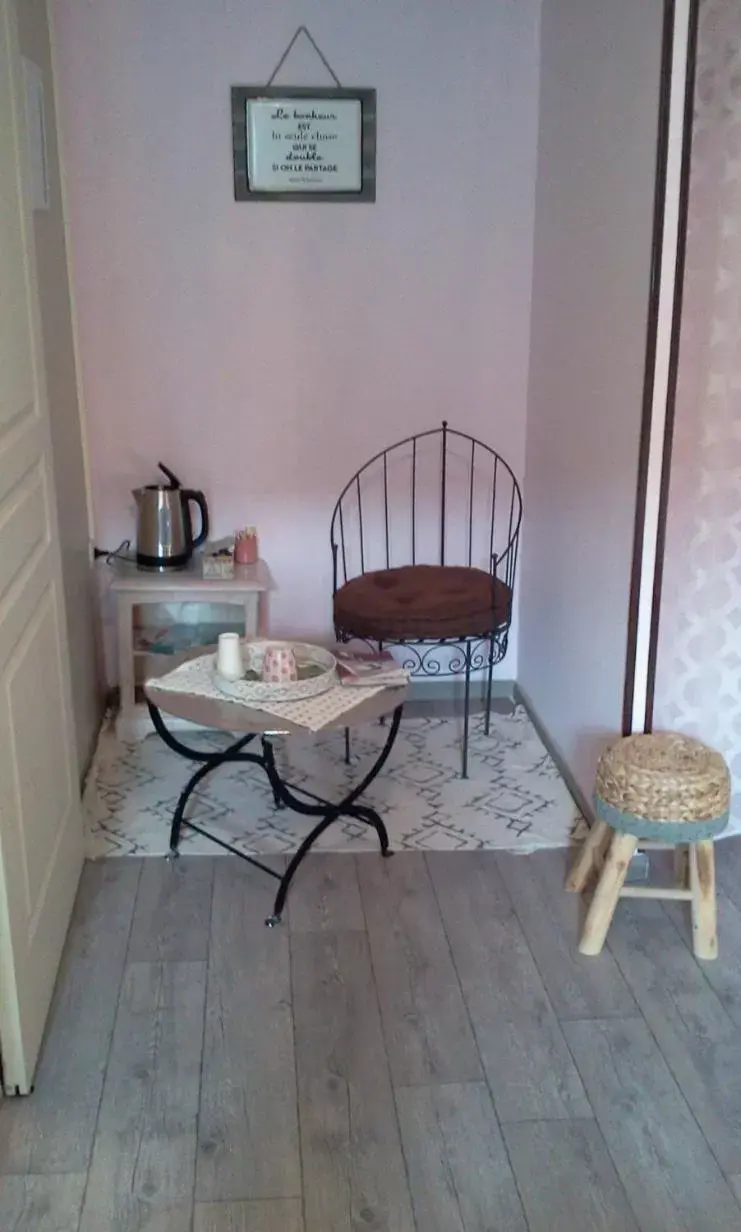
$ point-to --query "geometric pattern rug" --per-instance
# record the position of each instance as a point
(514, 799)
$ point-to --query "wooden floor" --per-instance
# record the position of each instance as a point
(418, 1047)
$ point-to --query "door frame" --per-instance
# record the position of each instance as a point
(669, 246)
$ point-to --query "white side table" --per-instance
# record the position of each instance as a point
(249, 590)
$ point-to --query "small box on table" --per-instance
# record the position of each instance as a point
(217, 560)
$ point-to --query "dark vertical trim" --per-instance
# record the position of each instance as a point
(657, 248)
(443, 491)
(342, 537)
(414, 500)
(360, 523)
(671, 399)
(492, 555)
(386, 503)
(470, 502)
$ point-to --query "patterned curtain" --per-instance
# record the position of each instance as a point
(699, 666)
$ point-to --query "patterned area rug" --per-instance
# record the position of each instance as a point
(514, 800)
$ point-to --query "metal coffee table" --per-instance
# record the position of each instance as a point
(225, 715)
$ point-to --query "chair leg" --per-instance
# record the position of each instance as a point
(587, 857)
(382, 720)
(487, 716)
(347, 746)
(466, 712)
(607, 893)
(704, 912)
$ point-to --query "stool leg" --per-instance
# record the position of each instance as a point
(702, 884)
(682, 865)
(587, 856)
(607, 893)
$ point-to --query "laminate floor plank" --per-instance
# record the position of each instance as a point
(528, 1065)
(325, 894)
(551, 920)
(248, 1127)
(52, 1129)
(459, 1173)
(353, 1167)
(728, 867)
(671, 1178)
(723, 973)
(142, 1171)
(41, 1203)
(426, 1024)
(292, 1017)
(697, 1037)
(278, 1215)
(173, 911)
(566, 1177)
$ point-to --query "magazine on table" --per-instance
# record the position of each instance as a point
(369, 669)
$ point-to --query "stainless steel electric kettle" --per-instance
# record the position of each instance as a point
(164, 531)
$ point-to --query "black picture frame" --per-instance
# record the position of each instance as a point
(241, 95)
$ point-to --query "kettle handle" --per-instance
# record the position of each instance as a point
(200, 500)
(174, 481)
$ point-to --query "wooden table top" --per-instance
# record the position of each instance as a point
(226, 715)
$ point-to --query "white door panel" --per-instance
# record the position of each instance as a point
(41, 838)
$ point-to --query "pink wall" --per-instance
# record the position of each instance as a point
(264, 351)
(698, 684)
(600, 71)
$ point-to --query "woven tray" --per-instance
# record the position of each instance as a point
(259, 692)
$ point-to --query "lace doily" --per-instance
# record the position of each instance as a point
(313, 713)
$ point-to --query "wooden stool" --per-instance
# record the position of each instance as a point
(674, 792)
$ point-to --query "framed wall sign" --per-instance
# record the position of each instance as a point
(294, 143)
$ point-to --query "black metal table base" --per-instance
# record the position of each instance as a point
(283, 794)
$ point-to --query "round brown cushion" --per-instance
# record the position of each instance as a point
(422, 601)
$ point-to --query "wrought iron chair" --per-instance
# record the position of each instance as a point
(424, 550)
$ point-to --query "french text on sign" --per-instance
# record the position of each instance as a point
(288, 145)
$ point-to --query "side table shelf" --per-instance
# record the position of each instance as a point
(174, 639)
(161, 648)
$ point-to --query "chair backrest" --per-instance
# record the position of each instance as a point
(440, 497)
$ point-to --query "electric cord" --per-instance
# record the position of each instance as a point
(116, 554)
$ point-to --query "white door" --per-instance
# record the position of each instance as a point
(41, 836)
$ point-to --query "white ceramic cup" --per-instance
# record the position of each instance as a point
(229, 662)
(279, 664)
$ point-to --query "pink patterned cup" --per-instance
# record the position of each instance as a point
(279, 664)
(245, 550)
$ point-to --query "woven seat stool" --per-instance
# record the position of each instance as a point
(655, 791)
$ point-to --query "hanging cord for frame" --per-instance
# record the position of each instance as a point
(303, 30)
